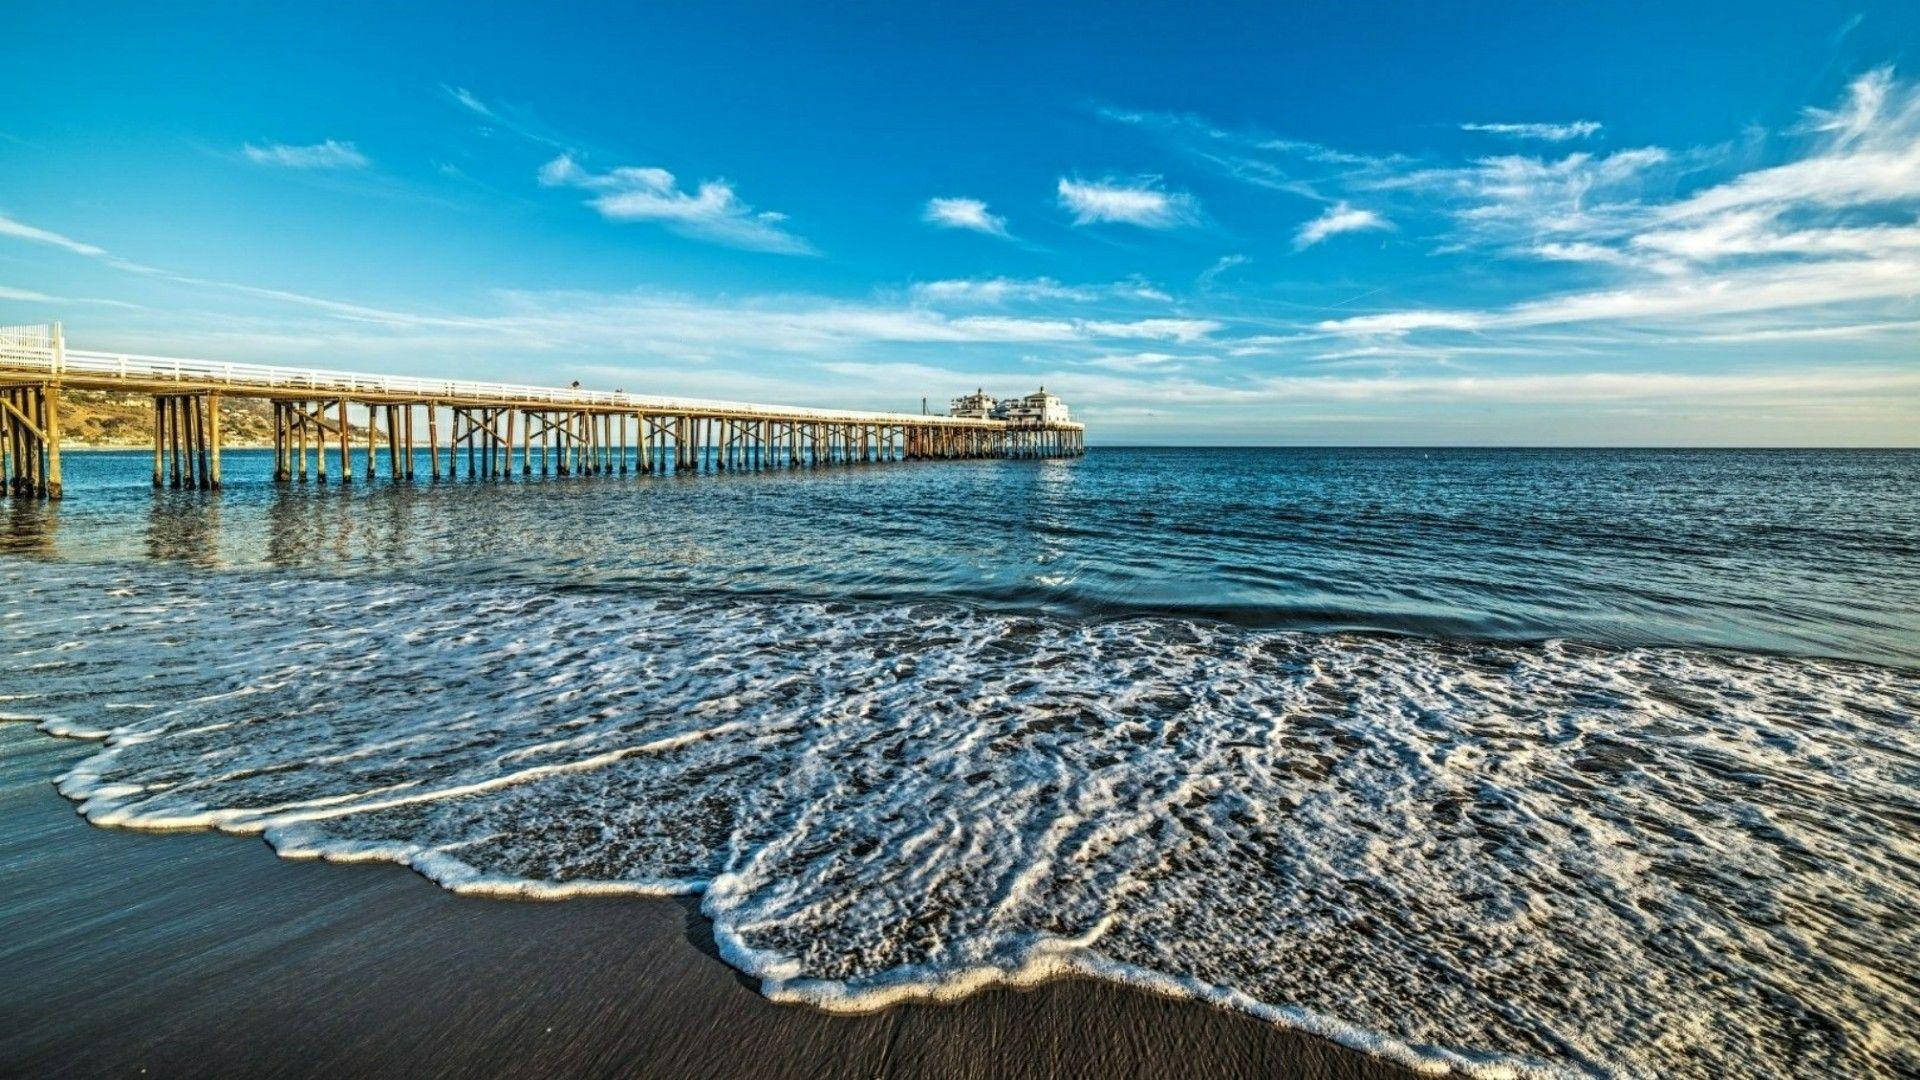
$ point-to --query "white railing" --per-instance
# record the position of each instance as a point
(37, 336)
(102, 368)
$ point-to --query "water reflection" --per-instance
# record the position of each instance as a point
(185, 527)
(32, 525)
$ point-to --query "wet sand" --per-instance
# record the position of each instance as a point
(202, 955)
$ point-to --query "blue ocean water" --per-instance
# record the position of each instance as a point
(1593, 762)
(1800, 551)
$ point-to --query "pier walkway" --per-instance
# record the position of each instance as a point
(493, 429)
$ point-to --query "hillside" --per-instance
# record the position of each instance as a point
(110, 418)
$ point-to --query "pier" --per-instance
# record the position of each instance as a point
(494, 430)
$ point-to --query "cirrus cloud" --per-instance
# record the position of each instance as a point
(1338, 218)
(1141, 202)
(331, 154)
(712, 212)
(1578, 129)
(962, 213)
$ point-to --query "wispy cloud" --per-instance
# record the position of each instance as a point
(1812, 238)
(514, 121)
(962, 213)
(22, 231)
(331, 154)
(1669, 301)
(1338, 218)
(1140, 202)
(30, 296)
(1578, 129)
(468, 101)
(712, 212)
(1220, 266)
(1002, 290)
(1294, 166)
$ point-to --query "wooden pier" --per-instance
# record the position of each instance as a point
(494, 430)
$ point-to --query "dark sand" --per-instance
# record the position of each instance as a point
(195, 954)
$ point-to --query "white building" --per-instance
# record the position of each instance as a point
(1037, 409)
(976, 406)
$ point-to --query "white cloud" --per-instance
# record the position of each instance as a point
(1002, 290)
(1139, 361)
(959, 213)
(1185, 331)
(1797, 387)
(506, 118)
(30, 296)
(1220, 266)
(1870, 157)
(1748, 233)
(1818, 236)
(22, 231)
(1862, 112)
(1515, 201)
(1578, 129)
(1143, 203)
(713, 212)
(1580, 251)
(331, 154)
(1338, 218)
(1773, 288)
(467, 101)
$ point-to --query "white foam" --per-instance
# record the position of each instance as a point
(1501, 860)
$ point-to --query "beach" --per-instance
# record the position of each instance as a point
(1488, 819)
(193, 954)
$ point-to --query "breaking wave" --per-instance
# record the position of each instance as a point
(1506, 858)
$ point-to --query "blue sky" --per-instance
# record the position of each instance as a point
(1528, 223)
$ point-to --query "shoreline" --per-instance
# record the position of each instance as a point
(199, 953)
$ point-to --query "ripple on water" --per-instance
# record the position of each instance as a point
(1509, 857)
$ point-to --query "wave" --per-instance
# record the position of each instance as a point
(1500, 858)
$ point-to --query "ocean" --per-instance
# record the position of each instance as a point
(1515, 761)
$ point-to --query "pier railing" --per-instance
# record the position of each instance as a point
(21, 352)
(578, 430)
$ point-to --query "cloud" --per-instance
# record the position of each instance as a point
(30, 296)
(1516, 201)
(1185, 331)
(1754, 290)
(1581, 252)
(1870, 156)
(970, 214)
(331, 154)
(467, 101)
(1813, 239)
(1139, 361)
(514, 121)
(1795, 387)
(1220, 266)
(1142, 202)
(1578, 129)
(713, 212)
(22, 231)
(1002, 290)
(1338, 218)
(1257, 158)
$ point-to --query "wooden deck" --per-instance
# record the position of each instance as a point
(496, 430)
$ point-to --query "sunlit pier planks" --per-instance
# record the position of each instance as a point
(492, 430)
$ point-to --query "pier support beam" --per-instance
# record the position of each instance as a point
(213, 442)
(30, 419)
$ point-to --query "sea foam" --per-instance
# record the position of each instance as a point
(1501, 858)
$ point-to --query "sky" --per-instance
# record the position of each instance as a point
(1482, 224)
